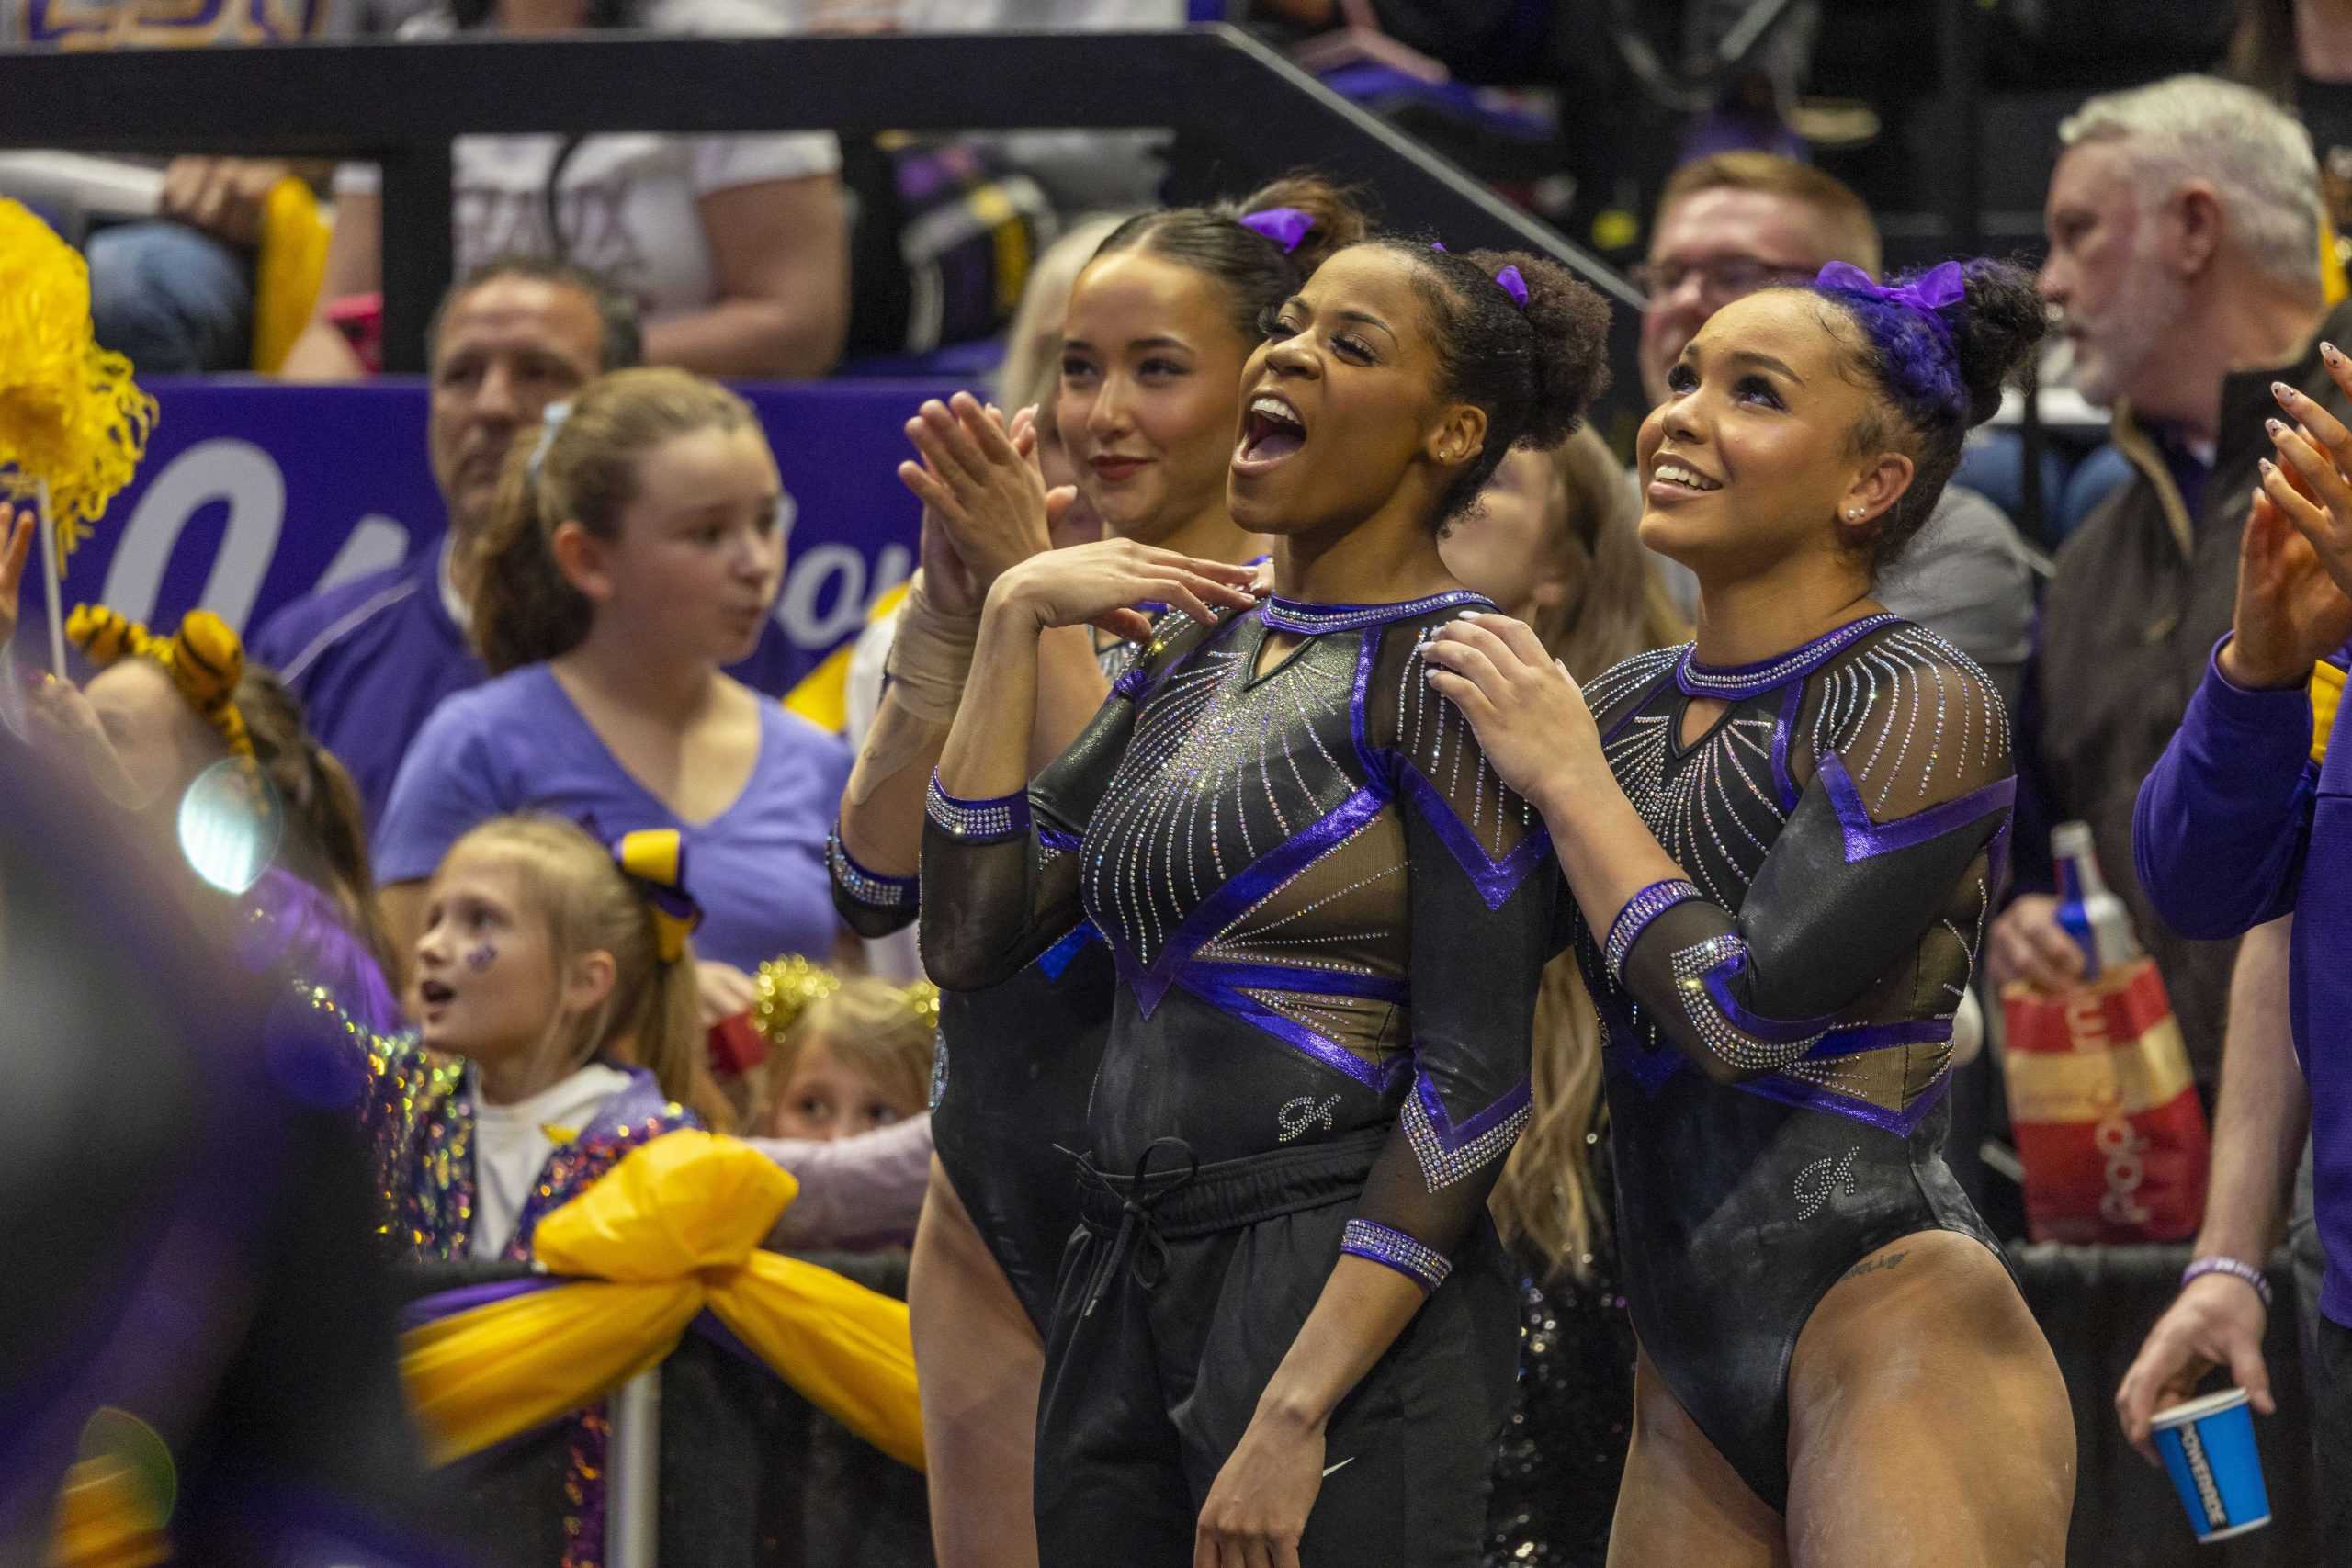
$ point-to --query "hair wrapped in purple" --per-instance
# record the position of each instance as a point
(1910, 321)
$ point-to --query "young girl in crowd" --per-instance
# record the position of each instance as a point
(1159, 323)
(162, 713)
(636, 549)
(1783, 840)
(853, 1055)
(557, 1030)
(1553, 543)
(1328, 919)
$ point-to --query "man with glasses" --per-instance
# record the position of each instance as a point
(1730, 224)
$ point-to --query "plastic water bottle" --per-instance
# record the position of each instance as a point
(2088, 911)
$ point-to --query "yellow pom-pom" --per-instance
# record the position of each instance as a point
(70, 416)
(782, 992)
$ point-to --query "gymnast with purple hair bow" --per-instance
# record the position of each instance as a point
(1783, 842)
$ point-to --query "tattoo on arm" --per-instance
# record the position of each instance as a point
(1870, 1267)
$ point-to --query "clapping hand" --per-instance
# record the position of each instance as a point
(2294, 603)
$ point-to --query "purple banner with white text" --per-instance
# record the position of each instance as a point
(254, 493)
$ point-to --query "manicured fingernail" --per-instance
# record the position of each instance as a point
(2266, 466)
(2330, 352)
(2283, 392)
(1469, 615)
(2273, 426)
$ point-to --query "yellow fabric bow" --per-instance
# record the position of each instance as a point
(674, 1228)
(2327, 694)
(655, 858)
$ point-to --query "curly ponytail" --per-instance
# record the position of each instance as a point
(581, 468)
(1532, 368)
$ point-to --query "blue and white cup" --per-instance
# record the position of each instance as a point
(2208, 1449)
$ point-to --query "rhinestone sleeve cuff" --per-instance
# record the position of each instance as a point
(1416, 1259)
(870, 888)
(1636, 918)
(977, 821)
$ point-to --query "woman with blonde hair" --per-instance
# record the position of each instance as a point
(1553, 540)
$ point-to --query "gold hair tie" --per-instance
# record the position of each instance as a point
(782, 992)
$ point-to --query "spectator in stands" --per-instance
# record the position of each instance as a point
(636, 547)
(370, 659)
(163, 712)
(1735, 222)
(2300, 53)
(2184, 222)
(2242, 822)
(175, 291)
(857, 1060)
(735, 247)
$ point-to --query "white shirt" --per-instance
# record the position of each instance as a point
(512, 1146)
(624, 203)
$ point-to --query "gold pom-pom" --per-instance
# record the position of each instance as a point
(783, 990)
(70, 416)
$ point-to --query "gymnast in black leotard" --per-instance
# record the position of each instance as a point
(1144, 398)
(1784, 841)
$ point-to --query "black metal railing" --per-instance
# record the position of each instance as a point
(1239, 111)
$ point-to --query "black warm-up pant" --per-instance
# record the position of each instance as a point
(1197, 1288)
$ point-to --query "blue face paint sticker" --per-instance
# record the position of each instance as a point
(481, 957)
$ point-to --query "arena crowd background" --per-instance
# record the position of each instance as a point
(971, 133)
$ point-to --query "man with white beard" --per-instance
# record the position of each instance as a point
(2184, 224)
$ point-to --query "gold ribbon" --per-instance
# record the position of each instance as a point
(674, 1228)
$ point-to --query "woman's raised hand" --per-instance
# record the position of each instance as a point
(980, 480)
(2294, 601)
(1101, 583)
(1528, 711)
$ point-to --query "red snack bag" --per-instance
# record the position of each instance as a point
(736, 1046)
(2105, 1111)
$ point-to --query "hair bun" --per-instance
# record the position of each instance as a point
(1571, 323)
(1995, 331)
(1339, 215)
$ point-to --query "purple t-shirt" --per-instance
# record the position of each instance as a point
(517, 743)
(372, 658)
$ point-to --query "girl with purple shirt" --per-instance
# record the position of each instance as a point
(635, 549)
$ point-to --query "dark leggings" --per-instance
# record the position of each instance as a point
(1195, 1305)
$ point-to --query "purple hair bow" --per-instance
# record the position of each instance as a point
(1508, 280)
(1286, 226)
(1929, 294)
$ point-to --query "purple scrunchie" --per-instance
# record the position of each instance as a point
(1286, 226)
(1907, 322)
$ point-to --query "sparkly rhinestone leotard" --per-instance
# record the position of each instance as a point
(1307, 876)
(1015, 1066)
(1780, 1024)
(1327, 918)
